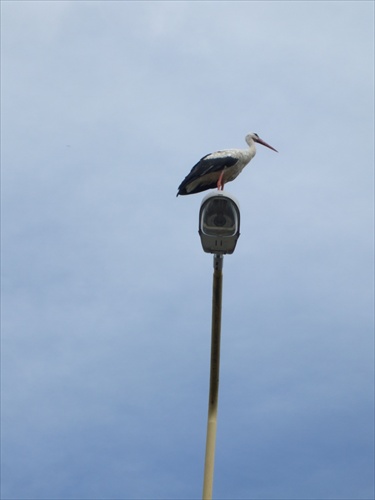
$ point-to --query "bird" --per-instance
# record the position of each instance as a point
(216, 169)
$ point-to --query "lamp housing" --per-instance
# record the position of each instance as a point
(219, 223)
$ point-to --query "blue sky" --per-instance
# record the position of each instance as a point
(106, 292)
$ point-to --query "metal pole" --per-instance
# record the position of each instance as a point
(214, 377)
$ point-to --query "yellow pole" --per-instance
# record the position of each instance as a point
(214, 377)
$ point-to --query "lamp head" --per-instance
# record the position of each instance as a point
(219, 223)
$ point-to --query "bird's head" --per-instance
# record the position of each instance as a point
(253, 137)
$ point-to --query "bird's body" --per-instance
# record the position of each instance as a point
(216, 169)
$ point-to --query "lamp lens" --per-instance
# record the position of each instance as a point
(219, 217)
(220, 220)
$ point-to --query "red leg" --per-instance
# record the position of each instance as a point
(220, 183)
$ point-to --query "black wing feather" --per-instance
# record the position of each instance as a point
(206, 165)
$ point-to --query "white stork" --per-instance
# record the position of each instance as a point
(216, 169)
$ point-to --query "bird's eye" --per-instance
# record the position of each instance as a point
(256, 135)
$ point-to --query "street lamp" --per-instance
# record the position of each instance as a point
(219, 230)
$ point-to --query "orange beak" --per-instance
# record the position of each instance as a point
(265, 144)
